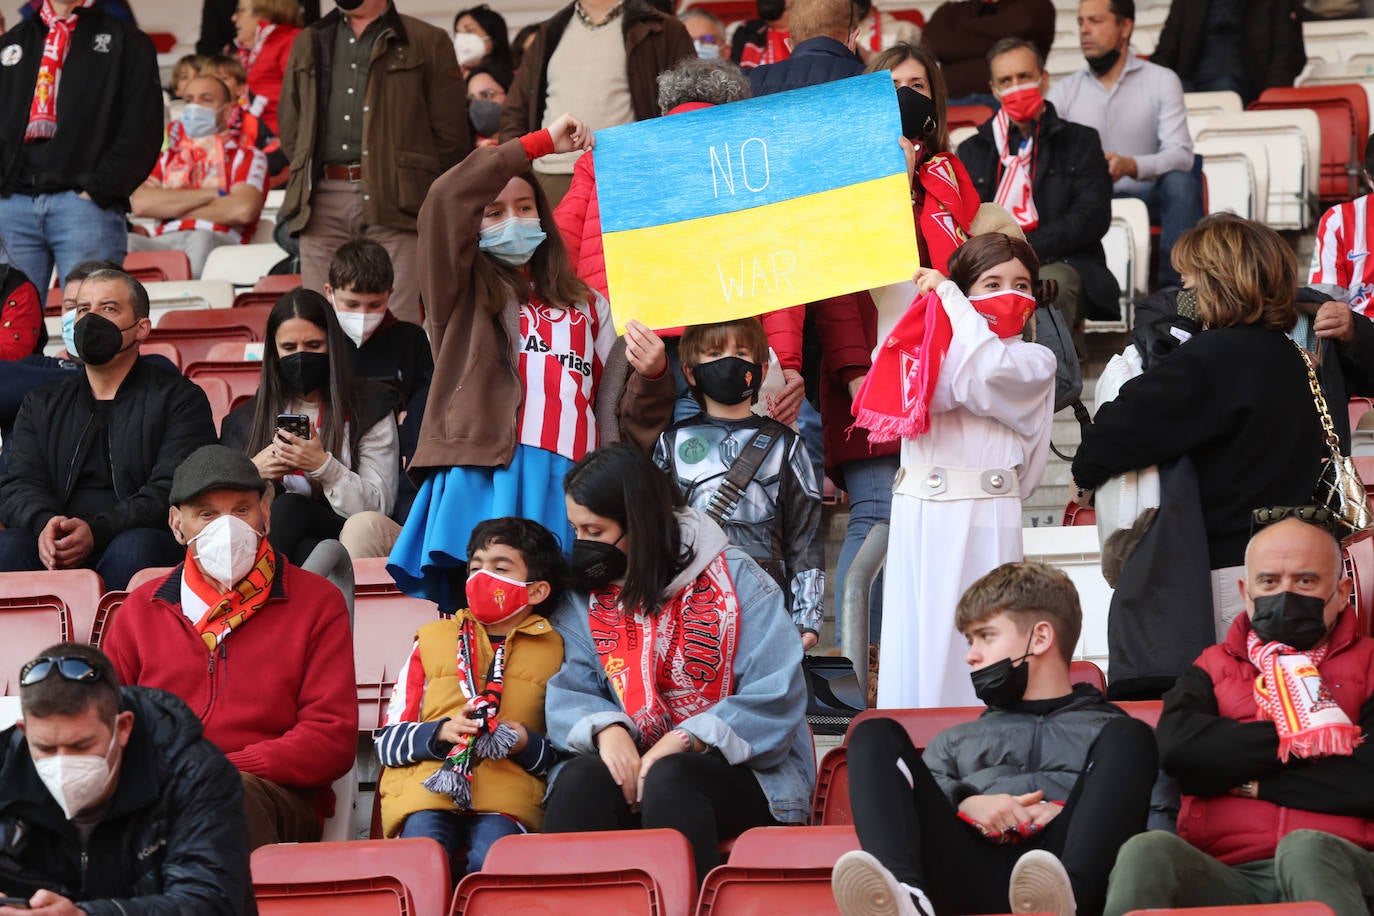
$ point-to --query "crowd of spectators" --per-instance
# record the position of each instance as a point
(623, 533)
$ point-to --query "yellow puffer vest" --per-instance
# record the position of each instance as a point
(534, 652)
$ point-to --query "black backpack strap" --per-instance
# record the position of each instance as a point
(743, 469)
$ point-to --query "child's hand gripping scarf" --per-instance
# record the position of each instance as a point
(894, 400)
(494, 739)
(1290, 692)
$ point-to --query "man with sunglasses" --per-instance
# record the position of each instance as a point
(111, 801)
(1266, 737)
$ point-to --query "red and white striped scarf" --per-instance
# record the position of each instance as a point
(249, 56)
(43, 109)
(1290, 692)
(674, 665)
(1014, 191)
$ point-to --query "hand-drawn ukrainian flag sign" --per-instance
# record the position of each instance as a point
(744, 208)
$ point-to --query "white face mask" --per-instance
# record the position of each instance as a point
(76, 781)
(358, 325)
(469, 48)
(226, 549)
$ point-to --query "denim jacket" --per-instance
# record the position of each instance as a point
(761, 725)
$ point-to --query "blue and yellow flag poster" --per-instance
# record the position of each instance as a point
(744, 208)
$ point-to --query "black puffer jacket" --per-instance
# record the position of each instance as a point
(155, 421)
(173, 842)
(1073, 195)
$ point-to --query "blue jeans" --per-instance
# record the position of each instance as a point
(869, 484)
(63, 227)
(1175, 203)
(809, 428)
(127, 553)
(459, 830)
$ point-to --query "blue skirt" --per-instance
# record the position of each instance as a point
(451, 502)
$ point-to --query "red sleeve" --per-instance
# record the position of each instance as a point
(119, 644)
(320, 747)
(536, 144)
(784, 330)
(841, 324)
(21, 315)
(571, 212)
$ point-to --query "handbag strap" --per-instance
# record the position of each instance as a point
(1333, 441)
(743, 469)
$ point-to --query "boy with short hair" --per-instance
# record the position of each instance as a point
(463, 743)
(1022, 809)
(774, 515)
(385, 349)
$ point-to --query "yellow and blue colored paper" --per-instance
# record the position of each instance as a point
(745, 208)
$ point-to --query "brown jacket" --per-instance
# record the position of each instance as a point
(415, 123)
(654, 42)
(474, 399)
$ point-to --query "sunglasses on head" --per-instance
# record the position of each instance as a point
(73, 669)
(1320, 516)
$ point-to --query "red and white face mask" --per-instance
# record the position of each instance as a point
(1006, 310)
(1023, 103)
(493, 598)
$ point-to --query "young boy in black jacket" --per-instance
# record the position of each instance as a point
(1024, 807)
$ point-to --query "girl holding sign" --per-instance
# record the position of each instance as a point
(528, 377)
(972, 404)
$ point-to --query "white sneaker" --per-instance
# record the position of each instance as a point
(1039, 884)
(863, 887)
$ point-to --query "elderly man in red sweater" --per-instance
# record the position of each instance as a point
(1266, 735)
(259, 649)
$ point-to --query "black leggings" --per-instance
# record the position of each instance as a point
(698, 795)
(299, 523)
(917, 834)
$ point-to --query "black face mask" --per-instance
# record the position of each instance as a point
(1102, 63)
(596, 564)
(771, 10)
(348, 6)
(1290, 618)
(918, 113)
(305, 372)
(98, 339)
(1002, 683)
(729, 380)
(485, 116)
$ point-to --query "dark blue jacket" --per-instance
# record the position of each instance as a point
(814, 61)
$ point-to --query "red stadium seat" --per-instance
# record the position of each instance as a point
(1357, 408)
(370, 575)
(163, 348)
(967, 116)
(358, 876)
(254, 318)
(38, 609)
(384, 625)
(111, 602)
(242, 378)
(1086, 672)
(194, 344)
(277, 283)
(776, 870)
(1307, 908)
(217, 392)
(1343, 112)
(618, 871)
(163, 42)
(1074, 514)
(157, 266)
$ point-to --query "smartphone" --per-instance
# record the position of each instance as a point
(19, 903)
(297, 424)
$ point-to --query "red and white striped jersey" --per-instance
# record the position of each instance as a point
(409, 692)
(1341, 257)
(562, 352)
(211, 162)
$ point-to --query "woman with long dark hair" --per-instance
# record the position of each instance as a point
(681, 694)
(350, 460)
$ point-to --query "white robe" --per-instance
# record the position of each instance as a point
(992, 408)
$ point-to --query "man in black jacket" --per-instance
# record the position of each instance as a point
(111, 802)
(80, 128)
(89, 464)
(1066, 206)
(822, 49)
(1246, 46)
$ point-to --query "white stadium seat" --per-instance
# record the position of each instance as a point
(1237, 182)
(1210, 103)
(1127, 246)
(1291, 141)
(242, 265)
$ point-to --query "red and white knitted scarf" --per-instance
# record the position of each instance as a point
(672, 666)
(1014, 191)
(1291, 693)
(894, 400)
(43, 109)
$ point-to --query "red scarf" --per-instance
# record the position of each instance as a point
(948, 206)
(196, 163)
(260, 35)
(43, 110)
(894, 400)
(1014, 191)
(773, 49)
(231, 610)
(677, 664)
(1290, 693)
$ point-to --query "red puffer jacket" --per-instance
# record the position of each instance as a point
(1212, 739)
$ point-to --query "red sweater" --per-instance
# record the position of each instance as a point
(278, 697)
(1212, 739)
(268, 72)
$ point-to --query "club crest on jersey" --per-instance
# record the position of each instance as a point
(102, 42)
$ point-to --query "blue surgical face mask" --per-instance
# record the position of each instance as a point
(512, 241)
(707, 49)
(69, 332)
(198, 121)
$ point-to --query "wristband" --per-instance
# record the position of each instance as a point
(687, 742)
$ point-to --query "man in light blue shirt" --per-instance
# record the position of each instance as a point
(1137, 109)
